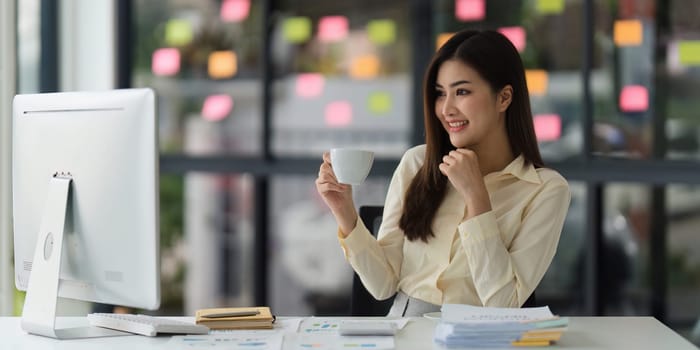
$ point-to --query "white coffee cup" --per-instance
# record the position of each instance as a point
(351, 166)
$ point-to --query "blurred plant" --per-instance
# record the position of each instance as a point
(171, 243)
(681, 272)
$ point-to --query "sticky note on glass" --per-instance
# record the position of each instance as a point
(689, 52)
(442, 39)
(165, 62)
(379, 102)
(547, 127)
(516, 35)
(332, 28)
(217, 107)
(222, 64)
(550, 7)
(628, 32)
(338, 114)
(178, 32)
(235, 10)
(634, 98)
(470, 10)
(309, 85)
(365, 67)
(537, 81)
(381, 31)
(296, 29)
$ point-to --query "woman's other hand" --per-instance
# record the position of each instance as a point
(461, 167)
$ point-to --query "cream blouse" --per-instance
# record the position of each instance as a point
(494, 259)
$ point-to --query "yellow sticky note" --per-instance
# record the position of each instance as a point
(178, 32)
(379, 102)
(689, 52)
(628, 32)
(365, 67)
(442, 39)
(222, 64)
(381, 31)
(297, 29)
(550, 7)
(537, 81)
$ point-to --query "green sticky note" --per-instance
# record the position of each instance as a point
(379, 102)
(297, 29)
(689, 52)
(381, 31)
(550, 7)
(178, 32)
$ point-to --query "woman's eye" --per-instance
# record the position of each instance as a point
(439, 93)
(462, 92)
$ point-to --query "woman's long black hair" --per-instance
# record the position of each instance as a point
(495, 58)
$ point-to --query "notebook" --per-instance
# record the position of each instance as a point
(235, 318)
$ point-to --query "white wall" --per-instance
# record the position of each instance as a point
(7, 91)
(87, 45)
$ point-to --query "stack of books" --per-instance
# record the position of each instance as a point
(472, 326)
(236, 318)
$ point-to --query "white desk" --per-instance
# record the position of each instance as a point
(619, 333)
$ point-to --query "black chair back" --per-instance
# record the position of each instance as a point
(362, 303)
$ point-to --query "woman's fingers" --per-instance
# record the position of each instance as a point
(443, 168)
(448, 160)
(323, 185)
(326, 170)
(325, 176)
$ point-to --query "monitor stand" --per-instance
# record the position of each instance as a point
(39, 314)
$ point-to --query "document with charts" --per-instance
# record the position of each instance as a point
(322, 325)
(334, 342)
(229, 341)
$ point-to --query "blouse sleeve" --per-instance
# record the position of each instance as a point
(378, 261)
(506, 277)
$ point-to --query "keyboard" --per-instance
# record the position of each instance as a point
(144, 324)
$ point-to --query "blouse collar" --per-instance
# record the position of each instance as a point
(519, 169)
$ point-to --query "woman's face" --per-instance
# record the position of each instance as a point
(466, 105)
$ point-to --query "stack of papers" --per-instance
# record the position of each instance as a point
(473, 326)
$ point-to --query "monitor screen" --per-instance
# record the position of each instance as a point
(107, 142)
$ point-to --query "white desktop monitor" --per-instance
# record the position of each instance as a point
(104, 145)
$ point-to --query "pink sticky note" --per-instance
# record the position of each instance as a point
(309, 85)
(235, 10)
(470, 10)
(338, 114)
(217, 107)
(165, 61)
(634, 98)
(516, 35)
(547, 127)
(332, 28)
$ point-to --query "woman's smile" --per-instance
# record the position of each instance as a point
(457, 126)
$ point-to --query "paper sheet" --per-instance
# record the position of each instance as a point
(478, 314)
(237, 341)
(320, 325)
(334, 342)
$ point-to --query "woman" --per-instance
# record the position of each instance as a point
(472, 216)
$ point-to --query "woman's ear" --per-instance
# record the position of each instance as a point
(505, 97)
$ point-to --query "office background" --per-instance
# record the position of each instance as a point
(250, 93)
